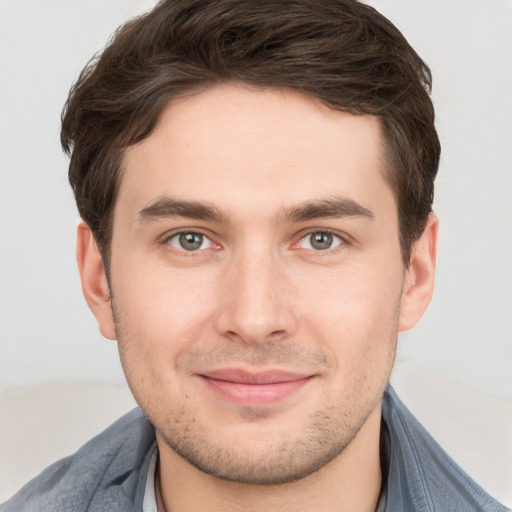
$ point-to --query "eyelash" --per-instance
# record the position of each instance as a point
(183, 252)
(344, 241)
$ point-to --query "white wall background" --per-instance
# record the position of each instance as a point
(46, 330)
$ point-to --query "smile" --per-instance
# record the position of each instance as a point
(254, 389)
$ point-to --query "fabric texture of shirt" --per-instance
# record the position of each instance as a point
(110, 472)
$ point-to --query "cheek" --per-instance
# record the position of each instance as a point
(155, 326)
(161, 313)
(358, 314)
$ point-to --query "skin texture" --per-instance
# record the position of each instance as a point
(250, 176)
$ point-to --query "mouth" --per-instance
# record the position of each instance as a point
(254, 389)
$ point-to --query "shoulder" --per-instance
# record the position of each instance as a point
(421, 473)
(104, 471)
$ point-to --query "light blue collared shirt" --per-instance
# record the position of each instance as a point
(112, 472)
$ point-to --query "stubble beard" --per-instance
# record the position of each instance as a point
(327, 432)
(283, 461)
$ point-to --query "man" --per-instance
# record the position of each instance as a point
(256, 182)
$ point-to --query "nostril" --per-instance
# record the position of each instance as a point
(277, 334)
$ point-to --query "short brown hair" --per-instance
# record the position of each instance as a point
(340, 51)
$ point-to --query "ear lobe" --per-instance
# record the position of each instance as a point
(94, 280)
(419, 278)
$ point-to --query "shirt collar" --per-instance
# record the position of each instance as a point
(402, 477)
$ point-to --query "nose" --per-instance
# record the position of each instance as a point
(255, 305)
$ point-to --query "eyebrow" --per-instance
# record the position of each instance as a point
(333, 208)
(170, 207)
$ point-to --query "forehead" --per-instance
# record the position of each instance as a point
(238, 147)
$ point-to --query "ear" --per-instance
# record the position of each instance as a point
(419, 277)
(94, 280)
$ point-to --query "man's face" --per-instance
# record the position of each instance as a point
(257, 280)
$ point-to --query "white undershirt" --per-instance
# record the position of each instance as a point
(149, 503)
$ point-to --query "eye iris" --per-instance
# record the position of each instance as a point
(191, 241)
(321, 241)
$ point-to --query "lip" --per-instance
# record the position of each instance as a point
(254, 388)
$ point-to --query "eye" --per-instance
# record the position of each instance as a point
(320, 241)
(190, 241)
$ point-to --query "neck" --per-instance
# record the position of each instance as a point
(351, 482)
